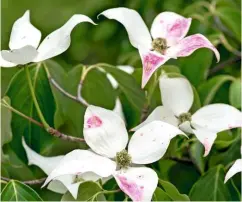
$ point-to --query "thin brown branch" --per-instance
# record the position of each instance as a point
(51, 130)
(79, 95)
(28, 182)
(224, 64)
(64, 92)
(144, 113)
(62, 136)
(78, 99)
(183, 159)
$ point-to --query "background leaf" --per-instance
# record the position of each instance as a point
(85, 192)
(211, 187)
(208, 89)
(161, 195)
(195, 67)
(231, 17)
(17, 191)
(172, 192)
(6, 131)
(235, 93)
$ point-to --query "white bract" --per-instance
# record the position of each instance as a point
(177, 98)
(168, 31)
(235, 168)
(105, 133)
(64, 183)
(25, 38)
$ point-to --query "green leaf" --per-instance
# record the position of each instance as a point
(170, 69)
(160, 195)
(177, 173)
(196, 101)
(228, 156)
(231, 18)
(65, 118)
(16, 164)
(128, 86)
(235, 93)
(211, 187)
(172, 191)
(36, 137)
(195, 67)
(224, 139)
(17, 191)
(196, 153)
(97, 90)
(6, 131)
(86, 191)
(6, 76)
(208, 89)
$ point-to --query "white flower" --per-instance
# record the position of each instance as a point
(168, 31)
(106, 135)
(65, 182)
(235, 168)
(25, 38)
(205, 123)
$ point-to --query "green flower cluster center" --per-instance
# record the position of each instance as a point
(123, 159)
(159, 45)
(184, 117)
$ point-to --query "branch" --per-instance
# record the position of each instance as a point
(182, 160)
(58, 87)
(62, 136)
(50, 130)
(65, 93)
(79, 96)
(224, 64)
(144, 113)
(28, 182)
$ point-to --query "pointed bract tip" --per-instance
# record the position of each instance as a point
(26, 14)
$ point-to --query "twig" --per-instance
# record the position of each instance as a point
(50, 130)
(183, 160)
(65, 93)
(144, 113)
(224, 64)
(62, 136)
(58, 87)
(28, 182)
(79, 95)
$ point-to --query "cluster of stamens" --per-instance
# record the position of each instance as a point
(184, 117)
(159, 45)
(123, 159)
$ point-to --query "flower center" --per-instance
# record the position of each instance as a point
(159, 45)
(184, 117)
(123, 159)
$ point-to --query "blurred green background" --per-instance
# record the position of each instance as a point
(219, 20)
